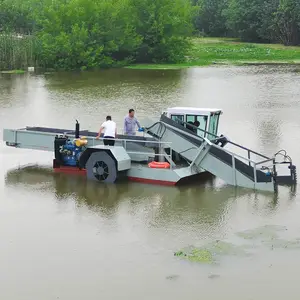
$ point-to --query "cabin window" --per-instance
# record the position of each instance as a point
(178, 118)
(202, 120)
(213, 126)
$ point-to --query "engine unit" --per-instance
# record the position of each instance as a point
(67, 152)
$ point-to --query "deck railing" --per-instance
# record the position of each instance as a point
(249, 151)
(125, 142)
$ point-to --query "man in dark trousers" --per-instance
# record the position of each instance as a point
(110, 132)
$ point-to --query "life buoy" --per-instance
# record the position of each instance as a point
(159, 165)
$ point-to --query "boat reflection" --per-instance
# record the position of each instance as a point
(203, 202)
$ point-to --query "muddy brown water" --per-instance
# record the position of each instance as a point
(65, 238)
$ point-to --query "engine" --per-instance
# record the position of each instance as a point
(68, 152)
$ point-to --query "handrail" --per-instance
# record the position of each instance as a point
(247, 149)
(135, 141)
(234, 154)
(167, 156)
(264, 161)
(148, 153)
(216, 146)
(219, 137)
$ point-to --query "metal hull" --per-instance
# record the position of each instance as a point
(144, 174)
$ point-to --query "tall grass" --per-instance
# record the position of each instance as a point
(17, 52)
(207, 51)
(224, 51)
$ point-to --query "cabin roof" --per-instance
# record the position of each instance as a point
(193, 110)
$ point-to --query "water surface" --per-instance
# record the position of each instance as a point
(65, 238)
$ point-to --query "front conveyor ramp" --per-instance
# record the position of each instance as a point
(202, 154)
(232, 170)
(240, 166)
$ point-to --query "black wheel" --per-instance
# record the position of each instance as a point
(101, 170)
(101, 167)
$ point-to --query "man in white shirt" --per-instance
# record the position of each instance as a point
(110, 132)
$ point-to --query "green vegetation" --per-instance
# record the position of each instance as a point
(13, 72)
(211, 253)
(88, 34)
(209, 51)
(251, 241)
(16, 52)
(226, 51)
(269, 21)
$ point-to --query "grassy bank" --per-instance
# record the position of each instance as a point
(16, 54)
(209, 51)
(13, 72)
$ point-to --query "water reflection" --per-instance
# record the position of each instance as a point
(269, 132)
(113, 84)
(160, 206)
(125, 234)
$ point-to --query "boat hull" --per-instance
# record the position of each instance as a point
(141, 173)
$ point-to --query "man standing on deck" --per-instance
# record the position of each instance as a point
(110, 132)
(130, 123)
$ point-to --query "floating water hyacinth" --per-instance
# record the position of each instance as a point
(212, 252)
(195, 254)
(225, 248)
(264, 232)
(269, 236)
(283, 244)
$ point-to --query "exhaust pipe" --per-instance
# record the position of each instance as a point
(77, 126)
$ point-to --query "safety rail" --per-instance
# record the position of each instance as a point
(125, 141)
(211, 143)
(252, 163)
(249, 151)
(168, 157)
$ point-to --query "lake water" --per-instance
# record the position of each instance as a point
(65, 238)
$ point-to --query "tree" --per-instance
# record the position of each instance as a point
(163, 27)
(15, 16)
(242, 19)
(287, 22)
(210, 18)
(267, 30)
(105, 33)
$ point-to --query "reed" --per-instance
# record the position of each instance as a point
(17, 52)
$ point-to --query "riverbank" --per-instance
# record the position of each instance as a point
(12, 72)
(222, 51)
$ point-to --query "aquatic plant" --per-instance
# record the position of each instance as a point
(16, 52)
(212, 252)
(263, 232)
(195, 255)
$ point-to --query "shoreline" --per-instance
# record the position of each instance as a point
(173, 66)
(230, 52)
(205, 52)
(218, 64)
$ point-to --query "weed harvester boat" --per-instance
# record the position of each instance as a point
(172, 150)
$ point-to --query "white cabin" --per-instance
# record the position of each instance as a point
(207, 117)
